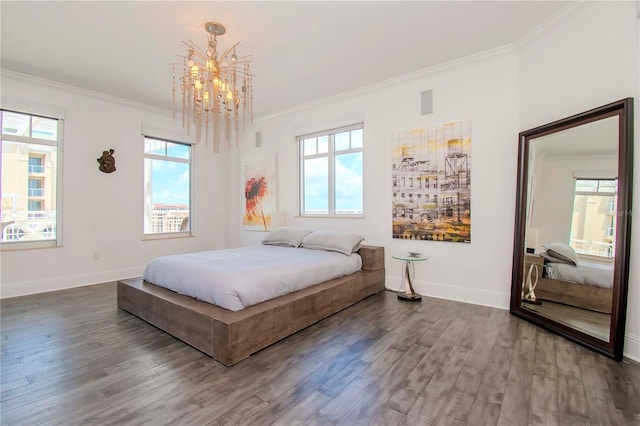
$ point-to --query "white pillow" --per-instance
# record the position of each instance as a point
(562, 251)
(549, 258)
(287, 236)
(341, 242)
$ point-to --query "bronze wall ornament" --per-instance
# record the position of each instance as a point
(107, 162)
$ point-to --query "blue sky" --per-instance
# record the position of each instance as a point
(170, 182)
(348, 183)
(170, 178)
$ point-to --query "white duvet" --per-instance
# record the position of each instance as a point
(237, 278)
(590, 273)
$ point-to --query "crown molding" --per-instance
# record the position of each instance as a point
(567, 13)
(425, 72)
(555, 21)
(81, 91)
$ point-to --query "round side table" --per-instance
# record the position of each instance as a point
(409, 271)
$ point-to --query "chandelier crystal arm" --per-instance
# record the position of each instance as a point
(192, 46)
(226, 52)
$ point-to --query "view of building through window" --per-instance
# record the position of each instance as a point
(594, 217)
(167, 177)
(169, 218)
(29, 177)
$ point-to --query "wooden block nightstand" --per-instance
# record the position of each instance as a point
(533, 259)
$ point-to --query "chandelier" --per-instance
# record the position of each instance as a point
(216, 90)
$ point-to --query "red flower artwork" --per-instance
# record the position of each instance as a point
(254, 191)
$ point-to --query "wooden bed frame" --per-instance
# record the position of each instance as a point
(579, 295)
(229, 336)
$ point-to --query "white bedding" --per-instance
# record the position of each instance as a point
(596, 274)
(237, 278)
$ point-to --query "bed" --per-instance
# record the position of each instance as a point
(575, 282)
(230, 336)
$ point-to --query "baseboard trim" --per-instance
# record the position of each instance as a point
(44, 286)
(632, 347)
(474, 296)
(493, 299)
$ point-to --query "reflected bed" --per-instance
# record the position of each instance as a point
(587, 285)
(573, 281)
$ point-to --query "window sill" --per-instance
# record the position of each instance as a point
(328, 216)
(166, 236)
(28, 245)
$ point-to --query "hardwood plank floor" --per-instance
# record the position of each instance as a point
(72, 357)
(590, 322)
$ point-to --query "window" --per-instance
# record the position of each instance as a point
(167, 186)
(331, 179)
(36, 187)
(13, 233)
(31, 178)
(36, 164)
(35, 205)
(594, 220)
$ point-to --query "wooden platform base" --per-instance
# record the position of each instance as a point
(229, 336)
(581, 296)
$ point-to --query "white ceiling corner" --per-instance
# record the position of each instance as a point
(303, 51)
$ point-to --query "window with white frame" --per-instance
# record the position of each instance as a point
(31, 179)
(167, 186)
(593, 222)
(331, 172)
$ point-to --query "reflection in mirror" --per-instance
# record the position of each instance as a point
(570, 226)
(573, 225)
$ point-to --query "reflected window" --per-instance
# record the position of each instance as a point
(593, 222)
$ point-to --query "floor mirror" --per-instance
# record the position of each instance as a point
(573, 226)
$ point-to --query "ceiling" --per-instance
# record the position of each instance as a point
(598, 137)
(302, 50)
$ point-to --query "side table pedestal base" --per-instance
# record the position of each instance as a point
(410, 297)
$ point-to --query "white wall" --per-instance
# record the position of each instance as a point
(552, 210)
(573, 65)
(568, 68)
(481, 89)
(589, 61)
(103, 213)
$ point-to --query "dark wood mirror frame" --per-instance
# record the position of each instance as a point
(614, 347)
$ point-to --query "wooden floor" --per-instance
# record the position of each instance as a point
(590, 322)
(71, 357)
